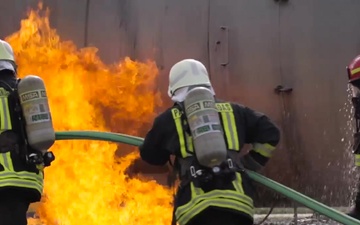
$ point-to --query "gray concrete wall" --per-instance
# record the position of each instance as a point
(250, 47)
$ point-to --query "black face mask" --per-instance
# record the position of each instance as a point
(7, 73)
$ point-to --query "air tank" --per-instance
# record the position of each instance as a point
(205, 126)
(36, 111)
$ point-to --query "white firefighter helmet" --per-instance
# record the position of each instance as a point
(7, 59)
(187, 72)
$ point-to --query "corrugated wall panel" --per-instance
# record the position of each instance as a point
(11, 12)
(69, 18)
(245, 65)
(318, 40)
(168, 31)
(105, 21)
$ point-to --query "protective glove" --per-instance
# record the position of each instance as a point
(48, 158)
(249, 163)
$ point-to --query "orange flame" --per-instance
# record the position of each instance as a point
(86, 184)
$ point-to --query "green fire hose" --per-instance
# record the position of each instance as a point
(296, 196)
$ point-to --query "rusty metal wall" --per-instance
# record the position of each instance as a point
(250, 47)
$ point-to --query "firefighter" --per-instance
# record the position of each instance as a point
(209, 195)
(353, 71)
(21, 174)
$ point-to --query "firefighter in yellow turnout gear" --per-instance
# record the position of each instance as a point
(353, 73)
(21, 174)
(214, 188)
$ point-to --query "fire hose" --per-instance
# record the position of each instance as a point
(273, 185)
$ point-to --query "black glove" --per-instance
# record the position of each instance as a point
(35, 158)
(48, 158)
(250, 163)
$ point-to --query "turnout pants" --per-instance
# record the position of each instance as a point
(212, 216)
(13, 211)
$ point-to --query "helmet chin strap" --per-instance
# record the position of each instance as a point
(180, 94)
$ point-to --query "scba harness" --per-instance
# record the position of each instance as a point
(200, 175)
(190, 169)
(220, 186)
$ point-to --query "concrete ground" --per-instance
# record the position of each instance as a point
(279, 216)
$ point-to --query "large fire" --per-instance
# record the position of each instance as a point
(86, 184)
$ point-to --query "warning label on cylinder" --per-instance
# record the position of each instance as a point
(32, 95)
(193, 108)
(31, 109)
(206, 128)
(39, 118)
(208, 104)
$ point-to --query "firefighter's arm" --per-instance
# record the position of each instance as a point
(152, 150)
(264, 136)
